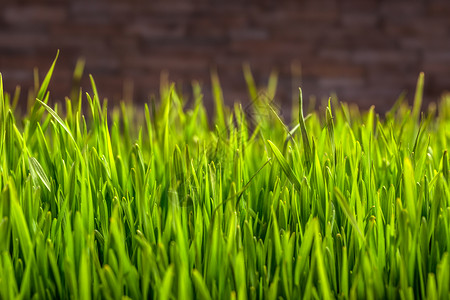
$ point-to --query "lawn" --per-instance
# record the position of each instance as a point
(169, 202)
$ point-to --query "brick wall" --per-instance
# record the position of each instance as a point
(366, 51)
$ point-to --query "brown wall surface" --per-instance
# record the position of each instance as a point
(366, 51)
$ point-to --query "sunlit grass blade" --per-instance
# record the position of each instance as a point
(343, 203)
(418, 97)
(305, 138)
(43, 89)
(285, 166)
(38, 172)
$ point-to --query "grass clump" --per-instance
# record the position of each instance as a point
(339, 204)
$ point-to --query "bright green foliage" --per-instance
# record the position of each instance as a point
(158, 203)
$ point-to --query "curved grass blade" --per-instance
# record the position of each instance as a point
(38, 172)
(285, 166)
(348, 212)
(200, 286)
(418, 97)
(45, 83)
(58, 119)
(305, 137)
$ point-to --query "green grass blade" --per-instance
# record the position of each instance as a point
(38, 172)
(343, 203)
(305, 137)
(48, 76)
(418, 97)
(200, 286)
(285, 166)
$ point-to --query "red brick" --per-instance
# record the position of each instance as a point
(21, 40)
(331, 69)
(36, 13)
(367, 50)
(384, 57)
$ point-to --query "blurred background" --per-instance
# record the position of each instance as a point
(365, 51)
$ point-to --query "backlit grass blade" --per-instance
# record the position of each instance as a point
(96, 98)
(200, 285)
(2, 101)
(166, 284)
(443, 277)
(251, 86)
(272, 85)
(418, 97)
(410, 188)
(9, 287)
(305, 137)
(38, 172)
(48, 76)
(58, 119)
(330, 127)
(84, 276)
(445, 166)
(76, 79)
(324, 284)
(285, 166)
(343, 203)
(218, 100)
(19, 224)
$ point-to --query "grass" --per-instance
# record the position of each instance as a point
(160, 204)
